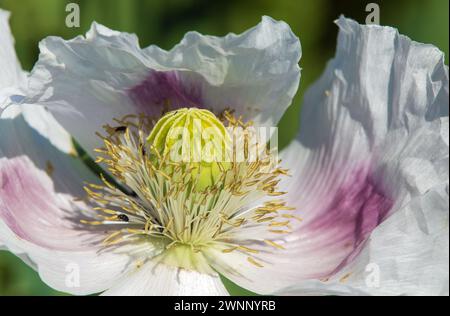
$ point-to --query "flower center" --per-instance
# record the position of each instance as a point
(182, 187)
(196, 138)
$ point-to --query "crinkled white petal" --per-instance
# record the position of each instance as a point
(158, 279)
(43, 228)
(41, 121)
(80, 272)
(11, 74)
(13, 81)
(255, 73)
(383, 103)
(88, 81)
(38, 214)
(31, 131)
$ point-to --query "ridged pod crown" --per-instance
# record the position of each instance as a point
(194, 137)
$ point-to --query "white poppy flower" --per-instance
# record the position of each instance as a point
(364, 210)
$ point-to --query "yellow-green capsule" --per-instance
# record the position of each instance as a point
(194, 137)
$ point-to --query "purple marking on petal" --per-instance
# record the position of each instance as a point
(356, 208)
(165, 89)
(32, 210)
(20, 193)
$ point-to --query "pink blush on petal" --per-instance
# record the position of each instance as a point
(357, 207)
(165, 89)
(23, 198)
(368, 204)
(344, 222)
(32, 210)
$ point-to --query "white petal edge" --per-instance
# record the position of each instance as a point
(77, 273)
(383, 99)
(22, 144)
(31, 131)
(11, 74)
(153, 279)
(13, 80)
(255, 73)
(67, 259)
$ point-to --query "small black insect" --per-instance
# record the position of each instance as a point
(132, 194)
(120, 129)
(123, 218)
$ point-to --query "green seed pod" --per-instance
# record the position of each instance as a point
(197, 139)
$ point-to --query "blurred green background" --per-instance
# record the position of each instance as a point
(164, 22)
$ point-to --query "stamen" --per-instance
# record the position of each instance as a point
(254, 262)
(273, 244)
(161, 200)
